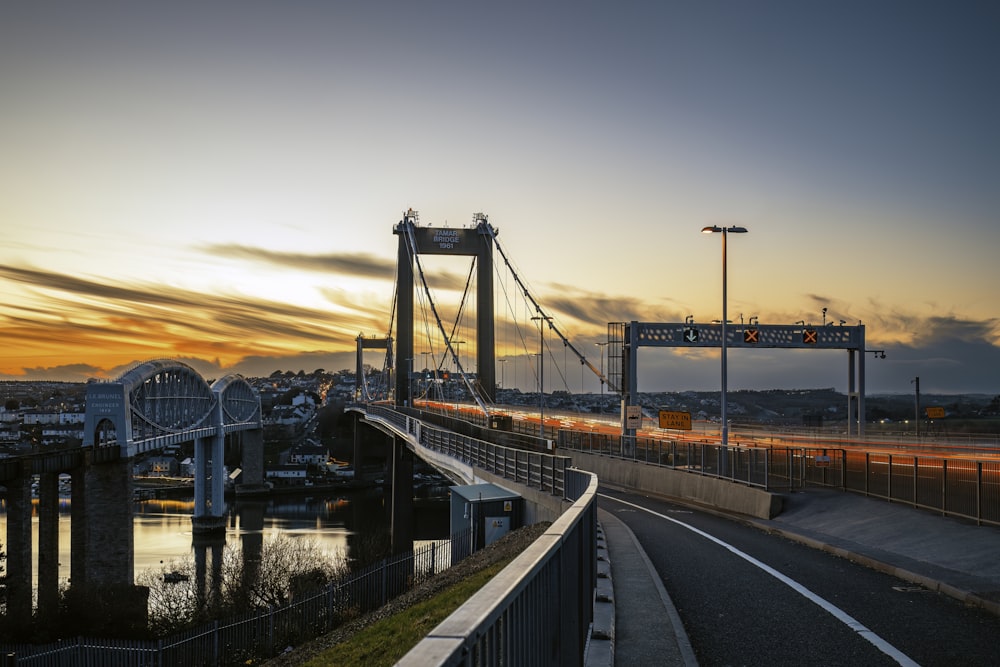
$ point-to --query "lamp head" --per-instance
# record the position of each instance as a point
(715, 229)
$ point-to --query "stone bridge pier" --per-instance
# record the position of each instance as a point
(101, 548)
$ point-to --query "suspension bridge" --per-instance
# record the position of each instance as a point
(500, 321)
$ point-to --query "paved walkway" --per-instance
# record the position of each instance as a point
(648, 630)
(952, 556)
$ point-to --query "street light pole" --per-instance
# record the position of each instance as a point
(724, 435)
(542, 319)
(502, 369)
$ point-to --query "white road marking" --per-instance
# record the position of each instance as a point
(842, 616)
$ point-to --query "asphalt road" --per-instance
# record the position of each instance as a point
(747, 597)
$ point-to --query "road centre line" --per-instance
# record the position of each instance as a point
(842, 616)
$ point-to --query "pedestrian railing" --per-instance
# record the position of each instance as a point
(534, 469)
(539, 609)
(955, 487)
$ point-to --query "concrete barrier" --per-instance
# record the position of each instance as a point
(702, 489)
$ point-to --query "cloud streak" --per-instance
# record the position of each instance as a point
(85, 328)
(73, 319)
(359, 264)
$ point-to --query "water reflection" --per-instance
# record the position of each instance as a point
(162, 528)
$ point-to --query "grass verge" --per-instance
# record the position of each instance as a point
(388, 640)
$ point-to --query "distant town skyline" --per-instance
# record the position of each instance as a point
(218, 183)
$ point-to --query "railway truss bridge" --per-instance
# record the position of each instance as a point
(153, 405)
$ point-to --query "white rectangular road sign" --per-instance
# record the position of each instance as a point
(633, 416)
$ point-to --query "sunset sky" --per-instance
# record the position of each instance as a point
(217, 182)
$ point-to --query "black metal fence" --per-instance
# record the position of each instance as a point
(958, 487)
(261, 633)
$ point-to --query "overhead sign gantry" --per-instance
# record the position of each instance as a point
(625, 338)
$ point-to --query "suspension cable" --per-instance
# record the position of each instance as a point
(541, 313)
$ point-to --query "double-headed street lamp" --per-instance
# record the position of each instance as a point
(725, 231)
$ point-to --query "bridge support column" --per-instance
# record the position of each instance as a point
(78, 528)
(18, 547)
(401, 521)
(109, 554)
(48, 545)
(103, 554)
(252, 461)
(209, 484)
(357, 460)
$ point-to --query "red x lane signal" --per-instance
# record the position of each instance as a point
(751, 336)
(809, 336)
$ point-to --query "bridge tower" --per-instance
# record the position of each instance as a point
(474, 241)
(414, 241)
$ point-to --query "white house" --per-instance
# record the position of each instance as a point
(287, 475)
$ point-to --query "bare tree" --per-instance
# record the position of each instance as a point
(283, 568)
(174, 602)
(286, 565)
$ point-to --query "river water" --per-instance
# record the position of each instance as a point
(162, 528)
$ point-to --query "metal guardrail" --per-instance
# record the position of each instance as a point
(539, 609)
(536, 470)
(752, 466)
(956, 487)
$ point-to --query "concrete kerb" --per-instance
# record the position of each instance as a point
(600, 651)
(642, 586)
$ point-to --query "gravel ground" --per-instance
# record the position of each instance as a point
(509, 546)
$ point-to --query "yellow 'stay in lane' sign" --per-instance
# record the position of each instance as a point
(676, 420)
